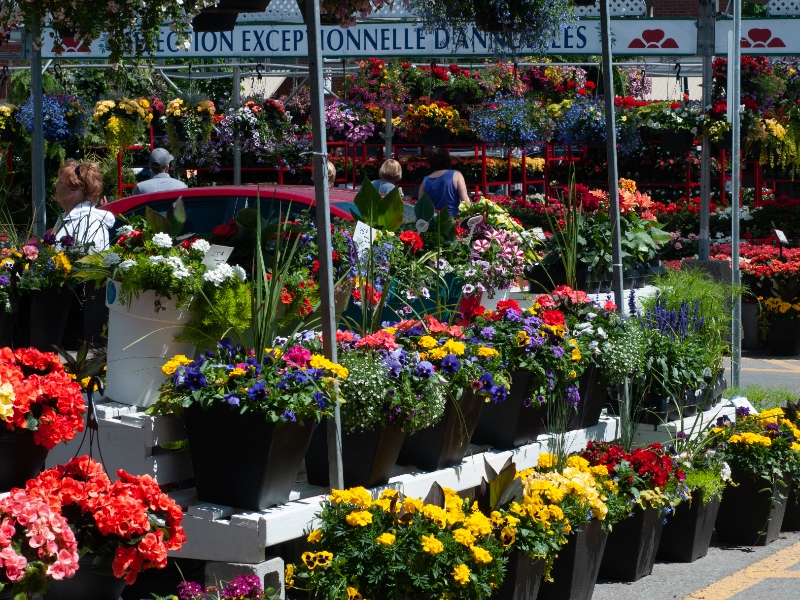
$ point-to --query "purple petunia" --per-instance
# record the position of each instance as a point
(573, 396)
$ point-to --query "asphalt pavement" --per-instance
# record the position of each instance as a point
(769, 371)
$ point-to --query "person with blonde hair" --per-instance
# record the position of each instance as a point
(331, 174)
(81, 223)
(390, 173)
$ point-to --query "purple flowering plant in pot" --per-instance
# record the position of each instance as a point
(243, 587)
(347, 122)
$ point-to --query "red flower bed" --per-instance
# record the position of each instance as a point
(37, 394)
(122, 521)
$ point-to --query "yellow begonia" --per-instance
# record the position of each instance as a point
(7, 397)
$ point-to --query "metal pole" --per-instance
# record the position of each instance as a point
(387, 150)
(320, 154)
(705, 49)
(37, 142)
(735, 71)
(611, 152)
(237, 146)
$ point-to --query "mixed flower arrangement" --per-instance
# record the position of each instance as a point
(426, 114)
(37, 395)
(122, 120)
(243, 586)
(189, 119)
(127, 526)
(350, 122)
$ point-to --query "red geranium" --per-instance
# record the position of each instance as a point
(123, 519)
(42, 396)
(504, 305)
(553, 317)
(412, 240)
(225, 232)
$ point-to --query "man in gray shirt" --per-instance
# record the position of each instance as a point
(160, 181)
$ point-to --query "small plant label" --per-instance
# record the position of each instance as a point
(216, 255)
(363, 236)
(781, 236)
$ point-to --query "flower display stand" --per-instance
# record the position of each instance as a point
(140, 341)
(132, 440)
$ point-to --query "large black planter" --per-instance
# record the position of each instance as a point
(791, 518)
(444, 444)
(86, 585)
(687, 534)
(632, 546)
(659, 409)
(241, 460)
(523, 578)
(7, 320)
(677, 141)
(593, 398)
(20, 458)
(783, 337)
(367, 457)
(43, 317)
(748, 515)
(575, 569)
(88, 315)
(513, 423)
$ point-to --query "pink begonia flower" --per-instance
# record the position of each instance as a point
(30, 252)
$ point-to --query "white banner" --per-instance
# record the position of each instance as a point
(761, 36)
(630, 37)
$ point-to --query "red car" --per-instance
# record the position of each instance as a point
(207, 207)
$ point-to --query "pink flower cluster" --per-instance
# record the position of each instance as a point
(40, 533)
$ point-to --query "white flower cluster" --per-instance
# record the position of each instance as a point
(125, 230)
(111, 259)
(126, 264)
(179, 270)
(201, 246)
(223, 273)
(162, 240)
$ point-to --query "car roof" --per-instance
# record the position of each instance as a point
(304, 194)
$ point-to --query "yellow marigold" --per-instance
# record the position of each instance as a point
(170, 367)
(427, 342)
(436, 514)
(600, 470)
(437, 353)
(770, 416)
(749, 439)
(359, 518)
(578, 462)
(461, 574)
(795, 446)
(314, 537)
(628, 185)
(385, 539)
(481, 555)
(486, 352)
(547, 461)
(412, 505)
(354, 594)
(478, 524)
(454, 347)
(463, 537)
(61, 262)
(358, 496)
(431, 545)
(237, 373)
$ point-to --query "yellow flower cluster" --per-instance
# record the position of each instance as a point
(545, 491)
(179, 360)
(132, 108)
(314, 537)
(174, 108)
(775, 129)
(358, 496)
(431, 545)
(779, 306)
(433, 112)
(288, 576)
(385, 539)
(629, 185)
(461, 574)
(359, 518)
(320, 362)
(749, 439)
(206, 106)
(7, 397)
(61, 263)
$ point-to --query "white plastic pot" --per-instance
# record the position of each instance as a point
(140, 341)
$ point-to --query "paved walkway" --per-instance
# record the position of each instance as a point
(727, 573)
(769, 371)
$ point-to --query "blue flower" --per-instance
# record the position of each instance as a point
(258, 393)
(573, 396)
(498, 393)
(288, 415)
(319, 398)
(194, 379)
(450, 364)
(395, 367)
(226, 344)
(424, 369)
(231, 399)
(487, 332)
(487, 379)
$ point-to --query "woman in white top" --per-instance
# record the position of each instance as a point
(77, 192)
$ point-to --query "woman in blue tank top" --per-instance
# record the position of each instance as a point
(445, 186)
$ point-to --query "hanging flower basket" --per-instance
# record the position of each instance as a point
(123, 121)
(8, 130)
(677, 141)
(189, 120)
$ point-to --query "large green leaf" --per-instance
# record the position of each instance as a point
(248, 218)
(176, 215)
(379, 212)
(157, 222)
(424, 208)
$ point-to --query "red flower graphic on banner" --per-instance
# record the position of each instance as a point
(761, 38)
(72, 45)
(653, 38)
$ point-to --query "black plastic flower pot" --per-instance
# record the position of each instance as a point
(368, 457)
(783, 337)
(523, 578)
(444, 444)
(43, 317)
(632, 546)
(725, 143)
(687, 534)
(20, 458)
(751, 513)
(575, 569)
(241, 460)
(677, 141)
(86, 585)
(513, 423)
(791, 517)
(7, 321)
(594, 396)
(435, 135)
(88, 316)
(658, 409)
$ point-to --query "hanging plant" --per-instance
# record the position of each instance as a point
(189, 119)
(64, 117)
(529, 24)
(122, 120)
(84, 22)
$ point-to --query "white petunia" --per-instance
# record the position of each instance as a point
(219, 275)
(201, 246)
(126, 264)
(162, 240)
(601, 333)
(239, 273)
(125, 230)
(155, 260)
(179, 270)
(111, 259)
